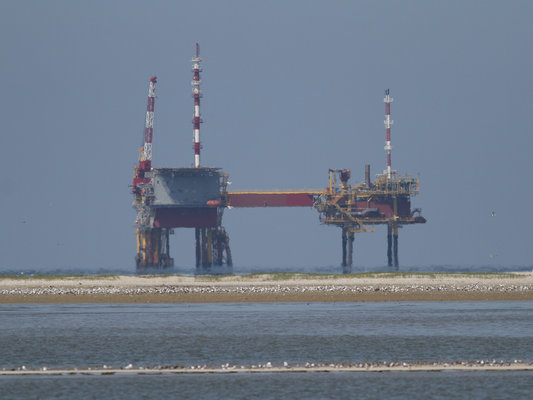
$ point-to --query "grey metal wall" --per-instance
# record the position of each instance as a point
(185, 187)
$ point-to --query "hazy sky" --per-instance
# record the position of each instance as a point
(291, 89)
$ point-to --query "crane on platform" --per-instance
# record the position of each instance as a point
(145, 153)
(152, 243)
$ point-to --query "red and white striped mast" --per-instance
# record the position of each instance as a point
(145, 163)
(388, 123)
(196, 94)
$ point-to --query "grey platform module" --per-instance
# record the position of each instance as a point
(185, 187)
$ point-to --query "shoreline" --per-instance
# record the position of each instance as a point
(373, 287)
(233, 369)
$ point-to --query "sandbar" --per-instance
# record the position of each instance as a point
(281, 287)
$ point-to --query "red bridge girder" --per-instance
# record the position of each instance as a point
(272, 198)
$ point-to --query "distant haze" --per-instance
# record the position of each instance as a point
(291, 89)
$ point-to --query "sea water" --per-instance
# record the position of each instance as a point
(116, 335)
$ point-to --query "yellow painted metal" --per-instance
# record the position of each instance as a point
(395, 214)
(156, 245)
(144, 257)
(138, 240)
(319, 199)
(358, 225)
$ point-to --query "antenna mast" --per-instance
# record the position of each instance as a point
(388, 123)
(196, 94)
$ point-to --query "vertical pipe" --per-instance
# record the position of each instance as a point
(395, 227)
(367, 176)
(344, 239)
(229, 261)
(163, 248)
(209, 246)
(204, 247)
(144, 255)
(198, 247)
(389, 244)
(149, 249)
(396, 264)
(220, 246)
(138, 255)
(167, 243)
(350, 248)
(156, 238)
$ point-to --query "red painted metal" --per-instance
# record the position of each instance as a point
(257, 199)
(213, 203)
(386, 209)
(178, 217)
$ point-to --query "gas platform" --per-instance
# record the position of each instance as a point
(169, 198)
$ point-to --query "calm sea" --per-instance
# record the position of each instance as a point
(116, 335)
(247, 269)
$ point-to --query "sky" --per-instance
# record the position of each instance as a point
(291, 89)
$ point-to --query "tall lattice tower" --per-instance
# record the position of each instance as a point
(196, 94)
(388, 123)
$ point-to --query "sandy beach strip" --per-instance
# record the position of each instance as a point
(268, 288)
(268, 368)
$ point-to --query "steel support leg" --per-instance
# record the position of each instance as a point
(138, 256)
(395, 233)
(169, 262)
(220, 244)
(395, 246)
(348, 268)
(229, 261)
(198, 247)
(350, 249)
(205, 249)
(147, 249)
(344, 240)
(389, 245)
(209, 246)
(157, 247)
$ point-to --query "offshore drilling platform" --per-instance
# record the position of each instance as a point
(169, 198)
